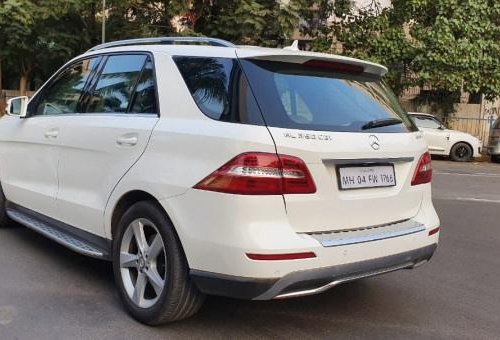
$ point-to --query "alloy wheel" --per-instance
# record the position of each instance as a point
(143, 263)
(462, 152)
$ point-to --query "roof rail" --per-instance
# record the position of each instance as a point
(165, 41)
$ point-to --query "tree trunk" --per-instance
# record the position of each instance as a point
(23, 83)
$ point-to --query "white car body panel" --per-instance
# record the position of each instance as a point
(29, 160)
(92, 160)
(438, 140)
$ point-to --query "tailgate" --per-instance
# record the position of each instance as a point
(334, 208)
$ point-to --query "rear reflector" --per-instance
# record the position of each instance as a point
(281, 257)
(423, 172)
(433, 231)
(259, 173)
(335, 66)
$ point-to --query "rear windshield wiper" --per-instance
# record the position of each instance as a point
(381, 123)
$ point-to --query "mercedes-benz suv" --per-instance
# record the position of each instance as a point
(199, 167)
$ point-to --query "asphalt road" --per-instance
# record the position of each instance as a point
(48, 292)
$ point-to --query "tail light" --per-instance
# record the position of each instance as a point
(259, 173)
(423, 173)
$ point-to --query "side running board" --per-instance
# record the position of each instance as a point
(68, 236)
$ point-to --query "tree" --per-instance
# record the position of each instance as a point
(140, 18)
(447, 46)
(39, 34)
(261, 22)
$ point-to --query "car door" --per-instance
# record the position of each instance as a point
(437, 137)
(100, 145)
(29, 147)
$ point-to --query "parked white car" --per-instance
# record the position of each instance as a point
(459, 146)
(199, 167)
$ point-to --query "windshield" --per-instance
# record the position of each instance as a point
(302, 97)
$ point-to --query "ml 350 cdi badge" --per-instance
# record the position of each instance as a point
(200, 167)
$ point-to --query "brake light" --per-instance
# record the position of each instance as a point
(423, 173)
(258, 173)
(335, 66)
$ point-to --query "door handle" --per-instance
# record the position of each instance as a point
(127, 140)
(52, 133)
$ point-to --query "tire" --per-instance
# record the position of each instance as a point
(461, 152)
(155, 287)
(495, 158)
(5, 221)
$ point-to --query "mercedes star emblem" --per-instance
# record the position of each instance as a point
(374, 142)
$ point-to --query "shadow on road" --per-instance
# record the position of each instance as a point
(223, 314)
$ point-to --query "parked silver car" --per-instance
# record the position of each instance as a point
(494, 142)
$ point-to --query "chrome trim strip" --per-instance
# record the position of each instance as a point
(374, 233)
(55, 234)
(343, 280)
(115, 114)
(368, 160)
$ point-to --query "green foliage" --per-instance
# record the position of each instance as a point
(142, 18)
(445, 45)
(38, 36)
(262, 22)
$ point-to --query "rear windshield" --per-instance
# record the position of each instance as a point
(296, 96)
(290, 95)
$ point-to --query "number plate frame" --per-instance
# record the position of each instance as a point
(366, 166)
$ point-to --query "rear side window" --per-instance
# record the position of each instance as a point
(125, 84)
(426, 122)
(303, 97)
(220, 89)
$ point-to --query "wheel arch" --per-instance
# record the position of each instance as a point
(125, 202)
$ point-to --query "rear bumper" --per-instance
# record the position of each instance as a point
(307, 282)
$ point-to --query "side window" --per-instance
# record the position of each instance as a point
(115, 86)
(63, 94)
(144, 97)
(426, 122)
(220, 89)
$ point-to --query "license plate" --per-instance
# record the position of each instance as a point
(358, 177)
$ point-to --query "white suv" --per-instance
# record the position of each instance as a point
(199, 167)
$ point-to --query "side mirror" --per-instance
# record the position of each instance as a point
(442, 127)
(17, 106)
